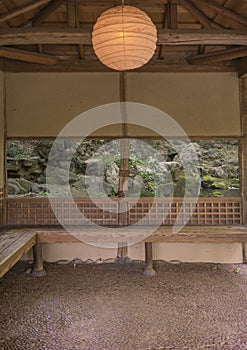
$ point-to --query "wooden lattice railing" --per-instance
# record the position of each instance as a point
(207, 211)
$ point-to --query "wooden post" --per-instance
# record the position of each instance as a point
(243, 155)
(122, 193)
(122, 252)
(38, 268)
(149, 269)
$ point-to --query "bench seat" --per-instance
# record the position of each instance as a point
(192, 234)
(14, 243)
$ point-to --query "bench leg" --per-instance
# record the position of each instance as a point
(38, 268)
(244, 250)
(149, 269)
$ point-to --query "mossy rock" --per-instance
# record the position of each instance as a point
(211, 182)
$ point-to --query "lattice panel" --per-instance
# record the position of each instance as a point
(39, 212)
(209, 211)
(1, 205)
(220, 211)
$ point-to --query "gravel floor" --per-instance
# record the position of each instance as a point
(113, 307)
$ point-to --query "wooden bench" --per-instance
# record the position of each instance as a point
(14, 243)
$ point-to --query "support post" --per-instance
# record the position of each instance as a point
(149, 269)
(122, 252)
(38, 268)
(243, 155)
(244, 250)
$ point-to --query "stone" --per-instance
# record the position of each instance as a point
(112, 174)
(38, 189)
(89, 261)
(63, 262)
(136, 186)
(95, 167)
(19, 186)
(13, 189)
(77, 261)
(149, 272)
(38, 273)
(109, 261)
(99, 261)
(171, 165)
(165, 190)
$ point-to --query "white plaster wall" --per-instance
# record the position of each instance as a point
(184, 252)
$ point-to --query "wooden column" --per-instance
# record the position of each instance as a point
(243, 154)
(38, 268)
(149, 269)
(123, 192)
(5, 187)
(124, 168)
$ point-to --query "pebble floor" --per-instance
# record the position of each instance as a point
(114, 307)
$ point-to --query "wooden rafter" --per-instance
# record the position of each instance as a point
(170, 22)
(199, 15)
(45, 12)
(27, 56)
(71, 13)
(23, 36)
(74, 22)
(221, 10)
(218, 56)
(20, 10)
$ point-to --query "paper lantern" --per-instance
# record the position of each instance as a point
(124, 38)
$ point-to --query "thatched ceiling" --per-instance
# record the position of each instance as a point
(203, 35)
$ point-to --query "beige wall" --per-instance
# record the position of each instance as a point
(41, 104)
(204, 104)
(1, 129)
(188, 252)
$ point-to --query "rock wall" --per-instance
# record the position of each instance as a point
(155, 169)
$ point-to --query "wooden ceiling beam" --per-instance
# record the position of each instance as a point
(96, 66)
(218, 56)
(221, 10)
(24, 36)
(20, 10)
(27, 56)
(199, 15)
(45, 12)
